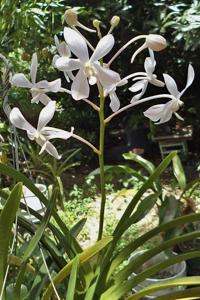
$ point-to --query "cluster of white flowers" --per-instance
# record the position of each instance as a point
(82, 71)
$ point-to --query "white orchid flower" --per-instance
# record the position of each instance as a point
(41, 134)
(144, 80)
(88, 68)
(39, 89)
(64, 53)
(114, 100)
(164, 112)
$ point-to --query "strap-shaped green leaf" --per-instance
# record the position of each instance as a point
(179, 172)
(40, 230)
(192, 185)
(137, 262)
(146, 164)
(7, 217)
(85, 256)
(90, 292)
(142, 210)
(71, 289)
(118, 169)
(76, 229)
(182, 281)
(34, 243)
(148, 184)
(131, 247)
(192, 293)
(73, 246)
(149, 272)
(120, 228)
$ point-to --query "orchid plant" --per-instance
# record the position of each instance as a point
(83, 71)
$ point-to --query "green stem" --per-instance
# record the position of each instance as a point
(101, 162)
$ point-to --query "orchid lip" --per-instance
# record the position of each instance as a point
(89, 70)
(39, 137)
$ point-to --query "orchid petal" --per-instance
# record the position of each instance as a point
(66, 77)
(104, 46)
(46, 115)
(107, 77)
(167, 114)
(20, 80)
(157, 82)
(162, 112)
(44, 99)
(115, 103)
(55, 58)
(80, 87)
(69, 74)
(149, 66)
(190, 79)
(56, 40)
(122, 82)
(171, 85)
(68, 64)
(31, 135)
(92, 80)
(63, 49)
(18, 120)
(33, 69)
(178, 116)
(151, 53)
(138, 96)
(77, 44)
(52, 86)
(137, 86)
(49, 148)
(154, 112)
(36, 97)
(55, 133)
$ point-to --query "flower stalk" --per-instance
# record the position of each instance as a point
(79, 138)
(109, 118)
(101, 162)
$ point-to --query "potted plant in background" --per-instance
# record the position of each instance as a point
(175, 271)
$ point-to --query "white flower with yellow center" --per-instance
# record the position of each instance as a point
(89, 69)
(42, 134)
(145, 78)
(162, 113)
(39, 89)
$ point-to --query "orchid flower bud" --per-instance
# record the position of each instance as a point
(115, 21)
(96, 23)
(156, 42)
(71, 17)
